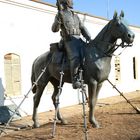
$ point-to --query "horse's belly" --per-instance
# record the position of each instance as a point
(55, 72)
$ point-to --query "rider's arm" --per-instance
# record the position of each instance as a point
(84, 31)
(56, 25)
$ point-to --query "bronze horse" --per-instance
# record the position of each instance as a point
(98, 54)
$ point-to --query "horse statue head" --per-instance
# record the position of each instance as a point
(117, 28)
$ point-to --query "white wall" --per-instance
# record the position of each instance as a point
(25, 29)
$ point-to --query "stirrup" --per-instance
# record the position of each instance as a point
(76, 84)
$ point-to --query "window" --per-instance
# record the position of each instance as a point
(117, 69)
(12, 74)
(134, 68)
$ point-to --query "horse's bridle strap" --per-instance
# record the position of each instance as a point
(114, 47)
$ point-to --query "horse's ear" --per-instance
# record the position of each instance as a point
(122, 14)
(115, 15)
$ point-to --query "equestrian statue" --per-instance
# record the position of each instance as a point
(93, 56)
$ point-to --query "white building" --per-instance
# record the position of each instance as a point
(25, 33)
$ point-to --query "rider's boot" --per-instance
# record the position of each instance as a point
(75, 79)
(74, 67)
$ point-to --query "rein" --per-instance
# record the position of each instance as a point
(113, 48)
(122, 45)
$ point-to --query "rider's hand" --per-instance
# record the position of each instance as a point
(88, 39)
(60, 15)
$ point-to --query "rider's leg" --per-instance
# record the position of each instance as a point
(73, 52)
(75, 74)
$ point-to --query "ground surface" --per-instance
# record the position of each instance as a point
(118, 120)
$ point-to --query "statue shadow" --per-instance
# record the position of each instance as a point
(137, 138)
(125, 113)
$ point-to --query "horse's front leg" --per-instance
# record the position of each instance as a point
(36, 100)
(93, 90)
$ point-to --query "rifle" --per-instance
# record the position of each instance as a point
(59, 8)
(58, 5)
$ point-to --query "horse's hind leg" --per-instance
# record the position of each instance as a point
(36, 100)
(55, 99)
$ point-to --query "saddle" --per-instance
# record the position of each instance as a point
(59, 53)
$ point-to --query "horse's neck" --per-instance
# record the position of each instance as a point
(103, 44)
(93, 55)
(104, 38)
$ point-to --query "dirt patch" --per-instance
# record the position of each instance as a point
(118, 120)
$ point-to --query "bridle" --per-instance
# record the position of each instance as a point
(113, 48)
(122, 45)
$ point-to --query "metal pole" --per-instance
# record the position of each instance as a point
(15, 103)
(107, 9)
(83, 91)
(136, 108)
(57, 97)
(18, 107)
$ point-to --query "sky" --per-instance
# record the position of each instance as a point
(106, 8)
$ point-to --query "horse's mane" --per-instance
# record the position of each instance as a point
(102, 33)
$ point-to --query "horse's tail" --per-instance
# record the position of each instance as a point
(33, 79)
(46, 57)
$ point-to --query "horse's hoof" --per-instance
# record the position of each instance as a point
(36, 125)
(95, 125)
(64, 122)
